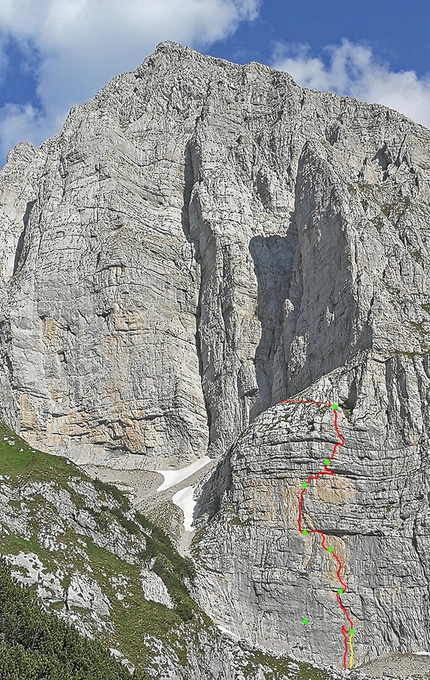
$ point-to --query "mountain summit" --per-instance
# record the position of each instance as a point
(200, 242)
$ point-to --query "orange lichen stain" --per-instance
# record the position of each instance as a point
(331, 565)
(99, 435)
(261, 501)
(51, 331)
(130, 321)
(334, 489)
(29, 420)
(133, 439)
(290, 493)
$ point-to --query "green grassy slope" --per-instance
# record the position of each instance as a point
(34, 644)
(62, 528)
(24, 472)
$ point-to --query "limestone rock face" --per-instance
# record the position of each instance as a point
(154, 589)
(201, 241)
(168, 245)
(262, 577)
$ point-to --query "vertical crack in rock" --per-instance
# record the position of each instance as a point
(20, 244)
(273, 259)
(421, 560)
(189, 181)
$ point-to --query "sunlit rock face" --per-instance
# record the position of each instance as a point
(200, 241)
(262, 576)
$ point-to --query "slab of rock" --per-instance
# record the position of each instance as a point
(398, 666)
(261, 577)
(154, 588)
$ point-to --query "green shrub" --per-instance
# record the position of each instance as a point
(36, 645)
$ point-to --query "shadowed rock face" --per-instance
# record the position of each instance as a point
(200, 241)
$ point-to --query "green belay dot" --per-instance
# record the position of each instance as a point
(351, 631)
(304, 621)
(334, 407)
(330, 549)
(304, 532)
(304, 485)
(326, 462)
(340, 591)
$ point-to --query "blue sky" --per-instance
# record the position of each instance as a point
(54, 53)
(397, 30)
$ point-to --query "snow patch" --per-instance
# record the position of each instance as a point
(228, 632)
(184, 500)
(172, 477)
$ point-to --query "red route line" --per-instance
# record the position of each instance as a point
(326, 471)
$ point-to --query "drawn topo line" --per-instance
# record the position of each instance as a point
(347, 634)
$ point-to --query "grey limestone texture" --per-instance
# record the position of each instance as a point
(200, 241)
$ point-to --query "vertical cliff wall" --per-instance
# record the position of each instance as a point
(199, 242)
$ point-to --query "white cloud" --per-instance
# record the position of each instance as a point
(354, 71)
(83, 43)
(4, 60)
(25, 122)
